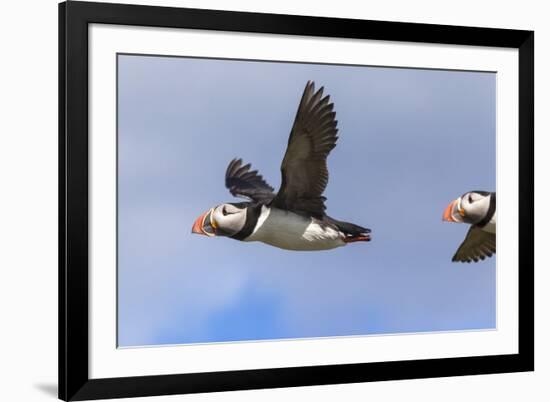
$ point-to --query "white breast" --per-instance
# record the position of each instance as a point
(492, 225)
(290, 231)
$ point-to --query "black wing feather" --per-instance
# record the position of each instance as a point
(243, 182)
(477, 245)
(304, 168)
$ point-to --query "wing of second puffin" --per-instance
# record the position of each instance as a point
(477, 245)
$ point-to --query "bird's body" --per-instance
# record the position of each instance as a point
(491, 226)
(477, 208)
(294, 218)
(291, 231)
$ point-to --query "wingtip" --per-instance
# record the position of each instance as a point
(233, 165)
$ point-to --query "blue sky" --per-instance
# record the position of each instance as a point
(410, 142)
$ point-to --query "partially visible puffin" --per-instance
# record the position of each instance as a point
(294, 218)
(477, 208)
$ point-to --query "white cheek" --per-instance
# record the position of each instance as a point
(221, 220)
(482, 206)
(232, 223)
(218, 217)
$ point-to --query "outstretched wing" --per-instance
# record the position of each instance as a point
(304, 167)
(477, 245)
(243, 182)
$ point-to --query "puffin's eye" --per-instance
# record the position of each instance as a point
(225, 212)
(470, 200)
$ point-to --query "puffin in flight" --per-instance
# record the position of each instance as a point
(294, 218)
(477, 208)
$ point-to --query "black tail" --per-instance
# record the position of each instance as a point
(350, 229)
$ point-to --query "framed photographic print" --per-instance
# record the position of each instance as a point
(204, 248)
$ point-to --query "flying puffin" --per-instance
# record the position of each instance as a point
(477, 208)
(294, 218)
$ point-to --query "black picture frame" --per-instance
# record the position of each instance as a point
(74, 381)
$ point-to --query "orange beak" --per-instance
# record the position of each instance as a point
(200, 225)
(448, 215)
